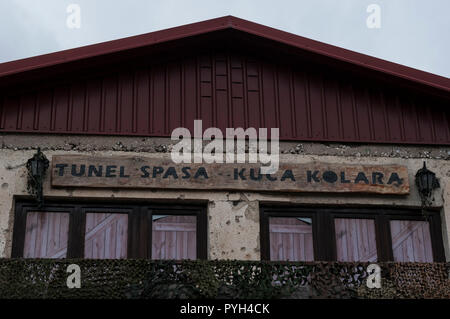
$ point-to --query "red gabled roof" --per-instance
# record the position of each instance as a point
(227, 22)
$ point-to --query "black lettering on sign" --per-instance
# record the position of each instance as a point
(270, 178)
(288, 174)
(343, 180)
(377, 178)
(201, 172)
(312, 176)
(252, 174)
(144, 170)
(329, 176)
(171, 172)
(61, 168)
(122, 172)
(395, 178)
(157, 170)
(93, 170)
(240, 174)
(111, 170)
(361, 177)
(186, 172)
(81, 172)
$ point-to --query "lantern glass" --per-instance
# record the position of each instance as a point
(40, 167)
(430, 179)
(424, 179)
(34, 167)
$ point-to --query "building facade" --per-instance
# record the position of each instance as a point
(353, 130)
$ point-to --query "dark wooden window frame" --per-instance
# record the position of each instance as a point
(324, 238)
(139, 241)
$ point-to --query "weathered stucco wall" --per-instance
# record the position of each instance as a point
(233, 217)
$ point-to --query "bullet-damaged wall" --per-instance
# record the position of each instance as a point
(233, 217)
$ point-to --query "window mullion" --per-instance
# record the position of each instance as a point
(142, 214)
(75, 245)
(19, 231)
(436, 239)
(147, 213)
(264, 234)
(323, 235)
(384, 241)
(134, 242)
(201, 234)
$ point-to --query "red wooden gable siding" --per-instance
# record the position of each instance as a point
(230, 89)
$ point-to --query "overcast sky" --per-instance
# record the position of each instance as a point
(415, 33)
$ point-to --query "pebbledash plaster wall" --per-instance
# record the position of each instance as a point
(233, 217)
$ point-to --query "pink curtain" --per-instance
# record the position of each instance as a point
(106, 236)
(46, 235)
(291, 239)
(174, 237)
(355, 239)
(411, 241)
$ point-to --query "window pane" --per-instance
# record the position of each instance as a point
(106, 236)
(355, 239)
(411, 241)
(46, 235)
(291, 239)
(174, 237)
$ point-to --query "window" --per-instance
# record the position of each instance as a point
(291, 239)
(355, 239)
(105, 231)
(411, 240)
(349, 234)
(106, 236)
(46, 235)
(174, 237)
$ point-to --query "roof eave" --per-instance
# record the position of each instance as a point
(217, 24)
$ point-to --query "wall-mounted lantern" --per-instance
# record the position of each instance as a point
(37, 167)
(426, 182)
